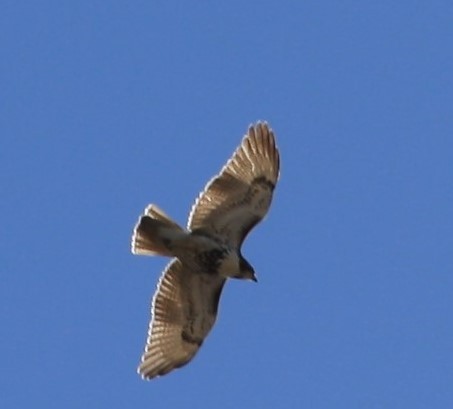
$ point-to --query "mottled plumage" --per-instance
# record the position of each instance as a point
(184, 306)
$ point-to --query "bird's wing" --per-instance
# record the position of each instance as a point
(184, 309)
(235, 200)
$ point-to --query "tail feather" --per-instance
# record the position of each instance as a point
(157, 213)
(154, 233)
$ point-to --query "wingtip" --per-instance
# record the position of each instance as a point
(133, 242)
(260, 138)
(144, 375)
(260, 127)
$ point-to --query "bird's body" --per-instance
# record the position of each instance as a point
(185, 304)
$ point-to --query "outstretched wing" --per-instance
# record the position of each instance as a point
(184, 309)
(234, 201)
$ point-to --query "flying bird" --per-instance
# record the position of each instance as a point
(184, 306)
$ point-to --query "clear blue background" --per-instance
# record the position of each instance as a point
(108, 106)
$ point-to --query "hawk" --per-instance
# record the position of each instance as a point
(184, 306)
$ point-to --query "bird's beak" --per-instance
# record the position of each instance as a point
(254, 278)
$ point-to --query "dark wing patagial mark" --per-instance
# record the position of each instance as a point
(202, 309)
(247, 227)
(183, 312)
(187, 337)
(239, 197)
(266, 182)
(213, 306)
(258, 186)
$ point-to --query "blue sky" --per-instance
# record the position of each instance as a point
(108, 106)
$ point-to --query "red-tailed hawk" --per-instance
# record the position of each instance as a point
(184, 306)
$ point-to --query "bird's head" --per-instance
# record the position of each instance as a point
(246, 271)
